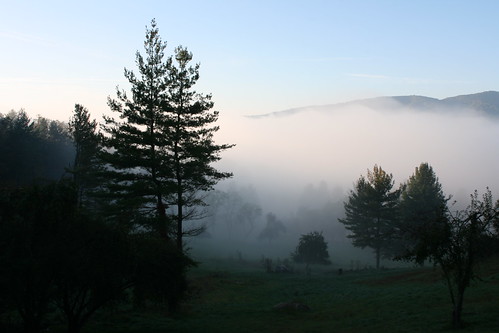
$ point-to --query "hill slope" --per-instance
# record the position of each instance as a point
(485, 103)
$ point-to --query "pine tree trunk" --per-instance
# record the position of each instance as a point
(179, 217)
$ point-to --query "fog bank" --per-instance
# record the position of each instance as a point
(325, 151)
(284, 153)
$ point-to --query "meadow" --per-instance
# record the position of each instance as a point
(231, 296)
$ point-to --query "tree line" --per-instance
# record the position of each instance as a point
(416, 223)
(32, 149)
(111, 226)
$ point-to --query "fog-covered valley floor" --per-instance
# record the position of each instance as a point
(297, 167)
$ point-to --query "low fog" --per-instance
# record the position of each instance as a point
(299, 166)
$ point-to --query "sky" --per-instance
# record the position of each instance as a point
(256, 56)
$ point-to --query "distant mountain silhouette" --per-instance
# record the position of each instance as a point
(485, 103)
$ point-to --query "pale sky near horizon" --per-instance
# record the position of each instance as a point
(256, 56)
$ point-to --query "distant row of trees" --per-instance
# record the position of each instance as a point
(32, 149)
(416, 223)
(113, 225)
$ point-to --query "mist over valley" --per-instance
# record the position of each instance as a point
(300, 165)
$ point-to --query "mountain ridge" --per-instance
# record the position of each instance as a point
(485, 103)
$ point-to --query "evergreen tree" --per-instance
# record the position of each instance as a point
(160, 155)
(135, 153)
(190, 143)
(422, 207)
(86, 142)
(32, 150)
(371, 212)
(18, 140)
(312, 249)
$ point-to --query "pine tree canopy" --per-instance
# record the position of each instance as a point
(161, 150)
(371, 211)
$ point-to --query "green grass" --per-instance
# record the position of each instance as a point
(239, 298)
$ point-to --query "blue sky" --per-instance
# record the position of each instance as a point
(256, 56)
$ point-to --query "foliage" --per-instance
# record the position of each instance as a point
(86, 141)
(32, 150)
(160, 270)
(273, 228)
(160, 157)
(312, 249)
(424, 226)
(95, 269)
(137, 178)
(56, 255)
(191, 142)
(371, 212)
(458, 254)
(422, 221)
(29, 246)
(53, 253)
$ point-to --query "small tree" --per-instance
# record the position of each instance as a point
(371, 212)
(459, 253)
(312, 249)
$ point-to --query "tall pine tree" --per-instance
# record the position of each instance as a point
(159, 154)
(135, 154)
(190, 143)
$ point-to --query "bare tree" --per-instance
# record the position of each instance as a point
(458, 254)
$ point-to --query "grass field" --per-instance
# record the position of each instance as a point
(235, 297)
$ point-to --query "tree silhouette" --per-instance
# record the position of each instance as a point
(458, 254)
(312, 249)
(190, 142)
(160, 155)
(422, 221)
(272, 229)
(32, 150)
(371, 212)
(86, 141)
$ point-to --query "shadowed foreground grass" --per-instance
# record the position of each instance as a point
(240, 298)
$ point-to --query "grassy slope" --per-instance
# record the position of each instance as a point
(240, 299)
